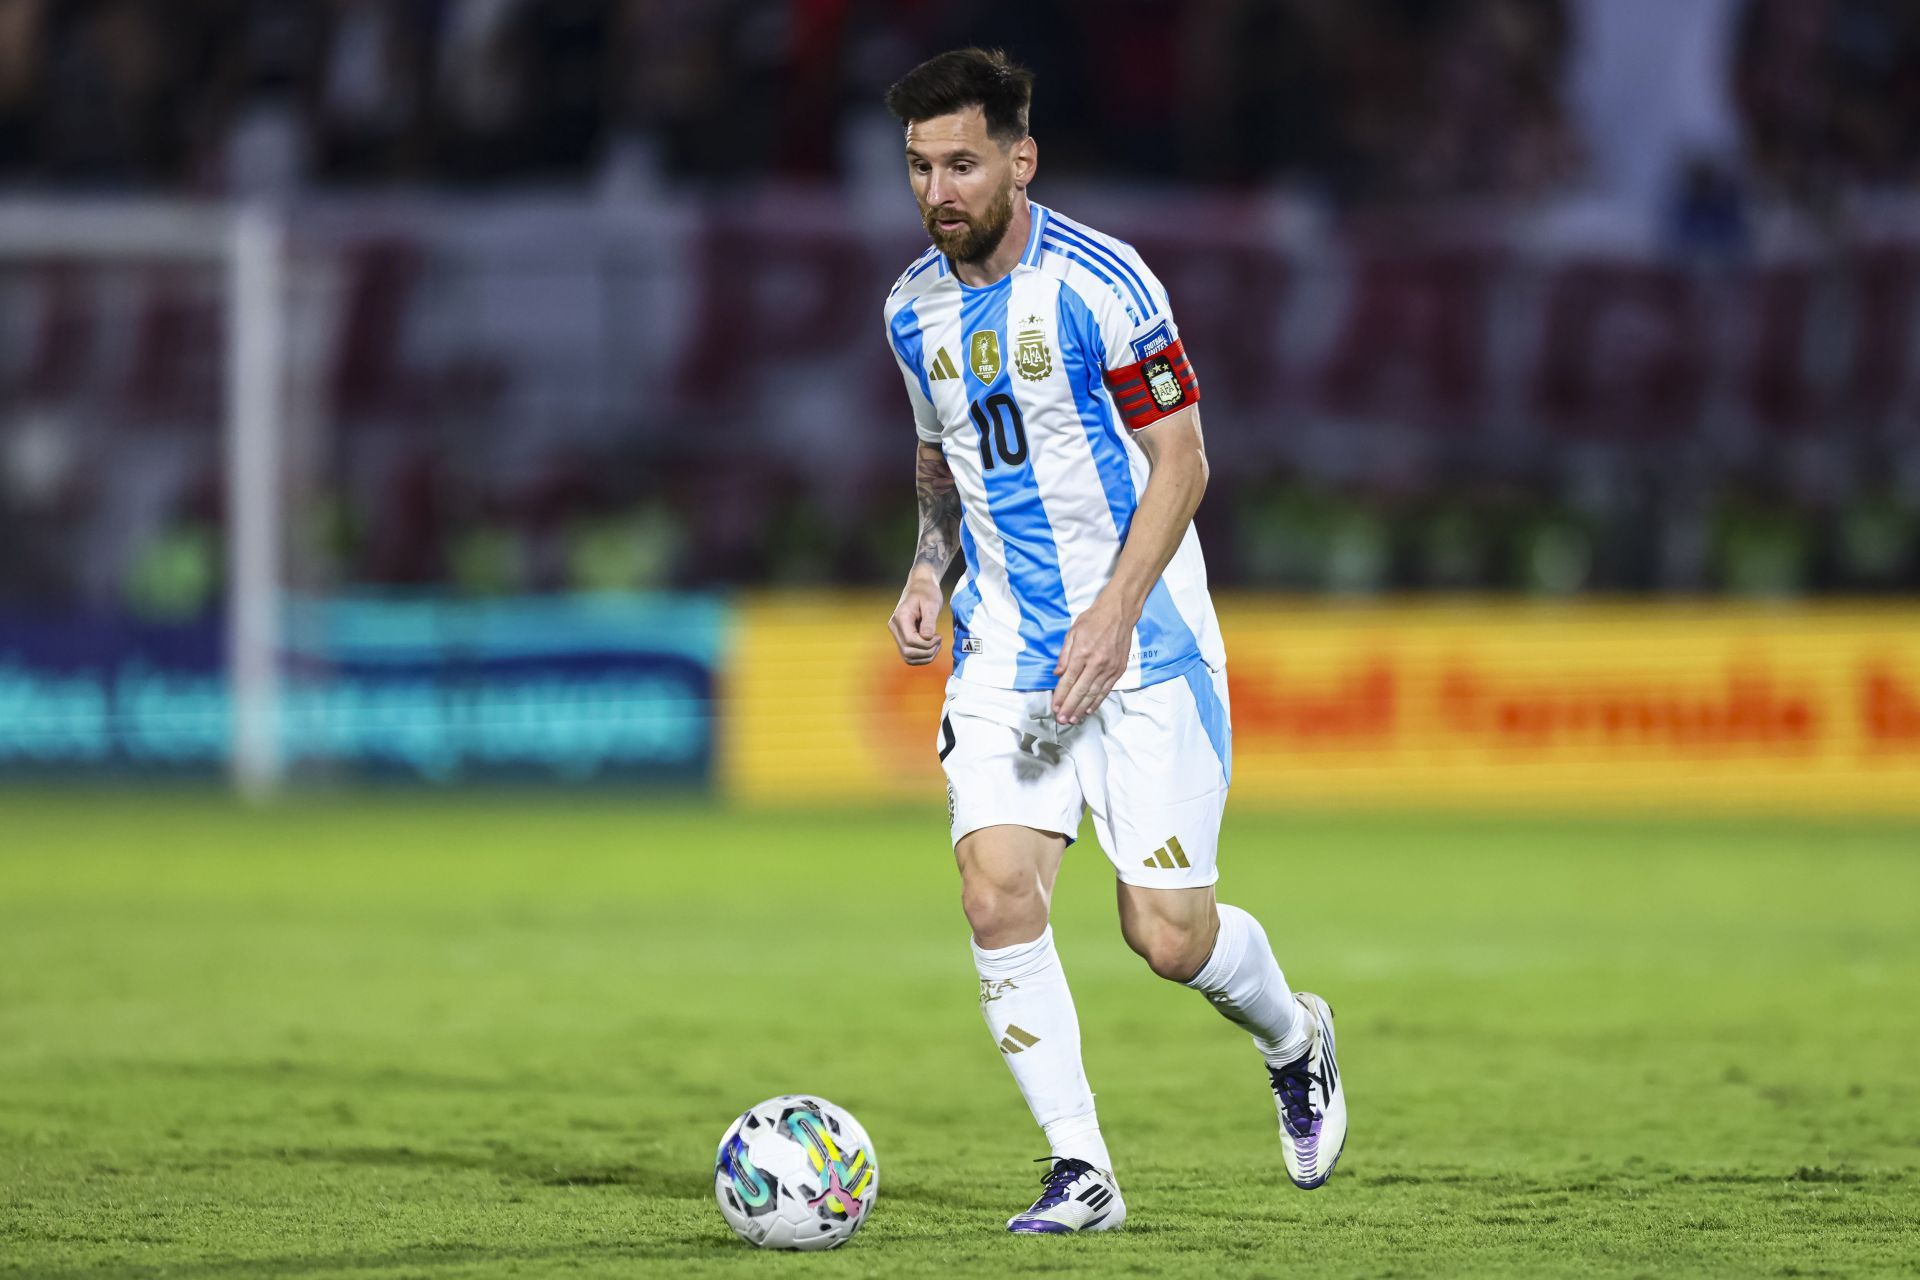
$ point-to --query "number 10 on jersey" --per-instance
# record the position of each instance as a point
(1002, 430)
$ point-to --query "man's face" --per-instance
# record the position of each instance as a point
(965, 181)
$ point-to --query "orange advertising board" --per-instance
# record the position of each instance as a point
(1484, 705)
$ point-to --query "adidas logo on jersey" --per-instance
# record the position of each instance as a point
(942, 367)
(1168, 856)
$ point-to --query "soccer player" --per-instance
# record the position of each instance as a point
(1060, 458)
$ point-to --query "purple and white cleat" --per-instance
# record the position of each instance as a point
(1077, 1197)
(1312, 1105)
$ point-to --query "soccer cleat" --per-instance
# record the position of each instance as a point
(1077, 1197)
(1312, 1104)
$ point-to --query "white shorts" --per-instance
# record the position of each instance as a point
(1152, 764)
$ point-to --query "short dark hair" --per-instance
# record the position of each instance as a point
(962, 78)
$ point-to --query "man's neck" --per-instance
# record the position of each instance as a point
(1013, 246)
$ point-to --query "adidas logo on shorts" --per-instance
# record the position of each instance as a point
(1168, 856)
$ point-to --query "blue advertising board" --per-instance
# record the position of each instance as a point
(563, 688)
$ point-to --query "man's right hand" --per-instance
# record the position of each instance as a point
(915, 623)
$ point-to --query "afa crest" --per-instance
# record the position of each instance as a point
(1031, 358)
(1161, 380)
(983, 355)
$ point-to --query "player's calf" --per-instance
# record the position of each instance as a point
(1175, 957)
(1173, 930)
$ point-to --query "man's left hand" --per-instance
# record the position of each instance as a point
(1093, 658)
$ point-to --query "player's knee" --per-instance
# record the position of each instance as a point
(1002, 915)
(1172, 952)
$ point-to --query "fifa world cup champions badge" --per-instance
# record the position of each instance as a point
(983, 355)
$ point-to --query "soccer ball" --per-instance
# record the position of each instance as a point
(796, 1172)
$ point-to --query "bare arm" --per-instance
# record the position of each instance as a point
(1095, 653)
(915, 621)
(939, 502)
(1177, 458)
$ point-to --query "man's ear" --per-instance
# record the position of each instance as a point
(1026, 161)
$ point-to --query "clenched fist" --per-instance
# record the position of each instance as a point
(915, 624)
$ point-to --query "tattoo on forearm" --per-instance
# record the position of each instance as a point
(939, 510)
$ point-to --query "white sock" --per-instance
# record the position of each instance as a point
(1023, 993)
(1245, 984)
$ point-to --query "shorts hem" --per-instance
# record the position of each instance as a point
(961, 832)
(1127, 879)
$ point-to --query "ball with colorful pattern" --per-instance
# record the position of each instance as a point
(796, 1172)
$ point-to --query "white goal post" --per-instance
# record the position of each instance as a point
(247, 243)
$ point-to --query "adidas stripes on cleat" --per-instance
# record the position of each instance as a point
(1311, 1102)
(1077, 1197)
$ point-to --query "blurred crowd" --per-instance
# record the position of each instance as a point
(1828, 95)
(1554, 533)
(568, 528)
(1358, 103)
(1358, 99)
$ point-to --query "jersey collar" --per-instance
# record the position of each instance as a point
(1031, 258)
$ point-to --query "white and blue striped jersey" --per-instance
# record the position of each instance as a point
(1016, 383)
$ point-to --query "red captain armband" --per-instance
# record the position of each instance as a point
(1157, 387)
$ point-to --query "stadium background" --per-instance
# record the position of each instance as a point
(1561, 384)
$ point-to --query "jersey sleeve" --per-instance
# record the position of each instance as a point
(1147, 370)
(903, 339)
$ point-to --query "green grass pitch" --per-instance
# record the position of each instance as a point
(472, 1037)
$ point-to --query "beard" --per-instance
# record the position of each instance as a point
(975, 242)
